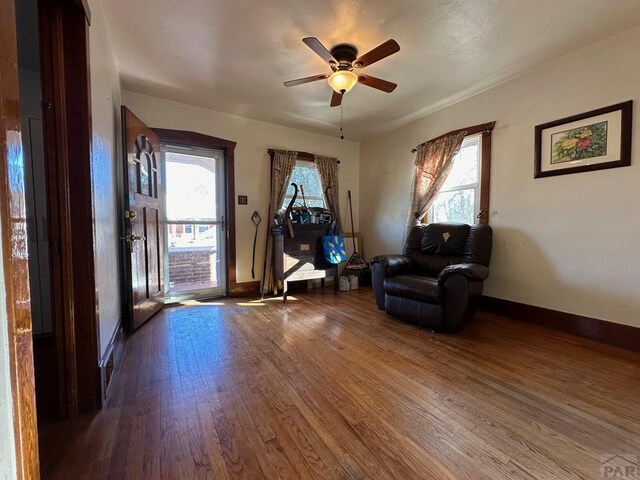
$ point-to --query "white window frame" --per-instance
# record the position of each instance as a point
(476, 186)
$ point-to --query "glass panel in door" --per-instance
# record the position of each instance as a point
(195, 228)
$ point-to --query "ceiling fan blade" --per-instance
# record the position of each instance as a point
(378, 83)
(300, 81)
(381, 51)
(314, 44)
(336, 99)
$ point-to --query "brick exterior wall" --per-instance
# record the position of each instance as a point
(191, 266)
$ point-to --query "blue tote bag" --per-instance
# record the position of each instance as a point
(333, 246)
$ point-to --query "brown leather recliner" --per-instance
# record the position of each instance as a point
(437, 282)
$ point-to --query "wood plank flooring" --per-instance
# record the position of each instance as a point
(328, 387)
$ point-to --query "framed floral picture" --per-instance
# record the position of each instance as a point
(590, 141)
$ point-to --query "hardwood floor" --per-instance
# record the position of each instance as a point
(329, 387)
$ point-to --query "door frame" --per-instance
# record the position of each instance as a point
(15, 269)
(64, 47)
(194, 139)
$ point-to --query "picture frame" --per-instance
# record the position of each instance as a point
(590, 141)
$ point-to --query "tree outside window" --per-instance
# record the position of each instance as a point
(305, 173)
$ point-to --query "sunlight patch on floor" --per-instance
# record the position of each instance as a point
(191, 303)
(275, 299)
(248, 303)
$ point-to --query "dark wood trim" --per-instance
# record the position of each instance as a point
(626, 109)
(617, 334)
(180, 137)
(55, 149)
(472, 130)
(79, 137)
(306, 156)
(14, 253)
(68, 136)
(231, 219)
(485, 176)
(84, 4)
(244, 289)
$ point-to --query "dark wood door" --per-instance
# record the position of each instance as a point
(142, 227)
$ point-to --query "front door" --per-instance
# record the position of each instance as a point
(143, 227)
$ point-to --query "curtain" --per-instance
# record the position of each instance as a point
(281, 168)
(328, 170)
(432, 166)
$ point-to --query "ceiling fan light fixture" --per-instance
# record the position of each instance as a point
(342, 81)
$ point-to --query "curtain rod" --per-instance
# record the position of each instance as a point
(474, 130)
(301, 155)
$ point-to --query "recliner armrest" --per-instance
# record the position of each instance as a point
(392, 264)
(472, 271)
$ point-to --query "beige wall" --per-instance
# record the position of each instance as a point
(569, 242)
(7, 443)
(105, 113)
(252, 161)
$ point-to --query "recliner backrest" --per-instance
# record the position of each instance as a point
(435, 246)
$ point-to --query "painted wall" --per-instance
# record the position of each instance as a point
(252, 161)
(105, 113)
(7, 444)
(568, 243)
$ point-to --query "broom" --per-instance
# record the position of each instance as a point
(356, 264)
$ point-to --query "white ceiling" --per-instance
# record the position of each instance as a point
(233, 56)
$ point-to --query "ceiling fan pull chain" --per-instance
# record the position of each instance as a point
(341, 121)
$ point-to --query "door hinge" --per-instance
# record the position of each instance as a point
(130, 214)
(46, 105)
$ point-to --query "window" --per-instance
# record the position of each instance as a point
(305, 173)
(459, 198)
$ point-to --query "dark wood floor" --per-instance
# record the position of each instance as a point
(328, 387)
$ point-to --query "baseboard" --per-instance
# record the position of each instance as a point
(624, 336)
(111, 359)
(244, 289)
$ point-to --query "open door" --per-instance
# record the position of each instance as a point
(143, 255)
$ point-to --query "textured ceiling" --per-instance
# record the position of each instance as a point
(233, 56)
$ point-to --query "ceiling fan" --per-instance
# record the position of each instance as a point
(343, 60)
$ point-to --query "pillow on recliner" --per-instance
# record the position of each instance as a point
(444, 239)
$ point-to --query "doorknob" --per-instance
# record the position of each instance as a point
(134, 238)
(130, 214)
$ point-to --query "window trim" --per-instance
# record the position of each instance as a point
(485, 170)
(476, 186)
